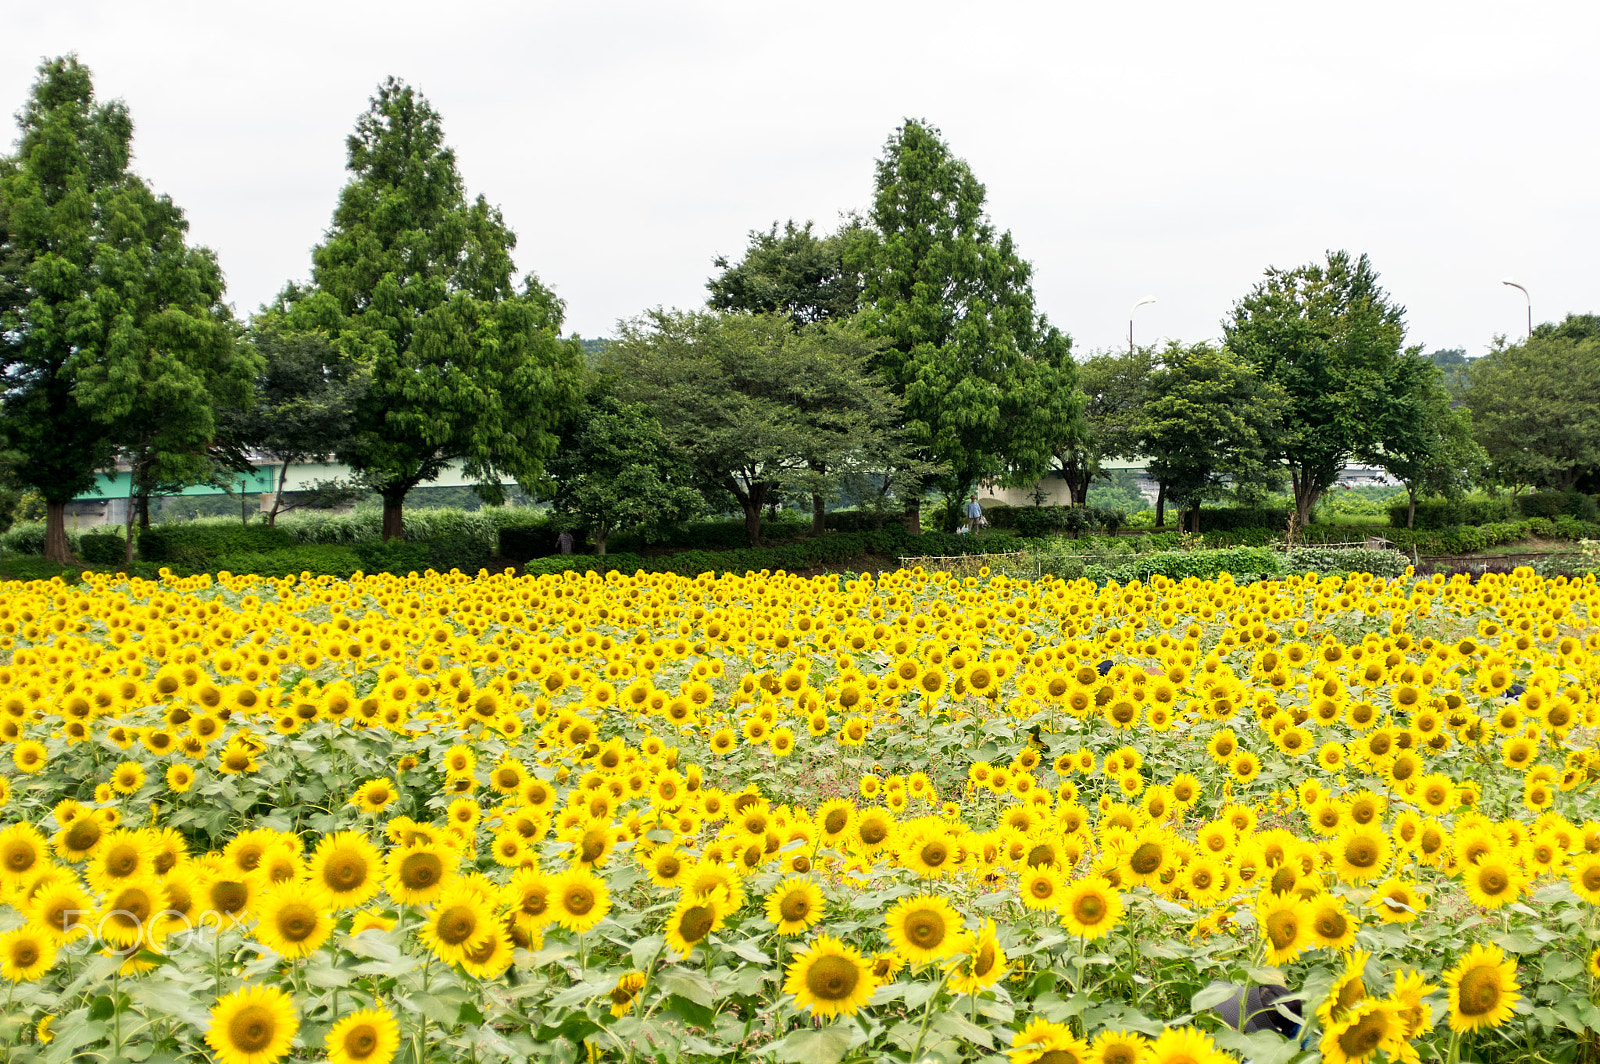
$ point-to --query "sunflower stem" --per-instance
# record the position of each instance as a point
(927, 1018)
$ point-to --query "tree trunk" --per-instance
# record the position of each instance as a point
(913, 515)
(393, 528)
(127, 527)
(1305, 497)
(144, 510)
(277, 496)
(1161, 505)
(55, 534)
(601, 534)
(1194, 515)
(1079, 491)
(819, 514)
(1411, 508)
(751, 502)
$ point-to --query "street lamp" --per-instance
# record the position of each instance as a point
(1136, 306)
(1527, 297)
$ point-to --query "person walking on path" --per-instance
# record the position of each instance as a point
(974, 514)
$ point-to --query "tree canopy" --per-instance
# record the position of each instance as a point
(1536, 408)
(414, 284)
(616, 471)
(758, 408)
(1208, 421)
(796, 273)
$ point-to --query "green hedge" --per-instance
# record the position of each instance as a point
(1234, 518)
(102, 548)
(802, 554)
(1447, 513)
(317, 559)
(1245, 563)
(1052, 520)
(1554, 504)
(195, 544)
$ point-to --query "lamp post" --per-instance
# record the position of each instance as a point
(1136, 306)
(1527, 297)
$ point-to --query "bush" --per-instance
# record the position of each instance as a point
(319, 560)
(527, 541)
(802, 554)
(1568, 527)
(1035, 521)
(1555, 503)
(1232, 518)
(195, 544)
(1385, 563)
(102, 548)
(1446, 513)
(27, 537)
(861, 520)
(1245, 563)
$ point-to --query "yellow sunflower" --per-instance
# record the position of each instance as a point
(1043, 1042)
(346, 866)
(579, 899)
(984, 963)
(291, 922)
(1090, 908)
(415, 874)
(26, 953)
(1185, 1045)
(795, 905)
(1368, 1027)
(923, 928)
(830, 978)
(1483, 989)
(369, 1036)
(696, 915)
(252, 1025)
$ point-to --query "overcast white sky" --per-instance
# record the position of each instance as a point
(1173, 149)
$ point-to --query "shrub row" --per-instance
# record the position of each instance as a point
(1553, 504)
(1236, 518)
(803, 554)
(1245, 563)
(1448, 513)
(1051, 520)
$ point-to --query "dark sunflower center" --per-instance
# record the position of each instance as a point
(344, 872)
(795, 907)
(457, 924)
(1282, 929)
(1146, 859)
(696, 922)
(252, 1029)
(925, 928)
(421, 870)
(360, 1041)
(578, 900)
(832, 978)
(296, 922)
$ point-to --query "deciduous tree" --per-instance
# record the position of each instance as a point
(796, 273)
(1536, 409)
(1332, 340)
(758, 408)
(1207, 420)
(616, 471)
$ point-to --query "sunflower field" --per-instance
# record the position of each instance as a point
(444, 818)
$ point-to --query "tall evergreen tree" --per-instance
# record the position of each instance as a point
(988, 383)
(72, 154)
(113, 336)
(414, 284)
